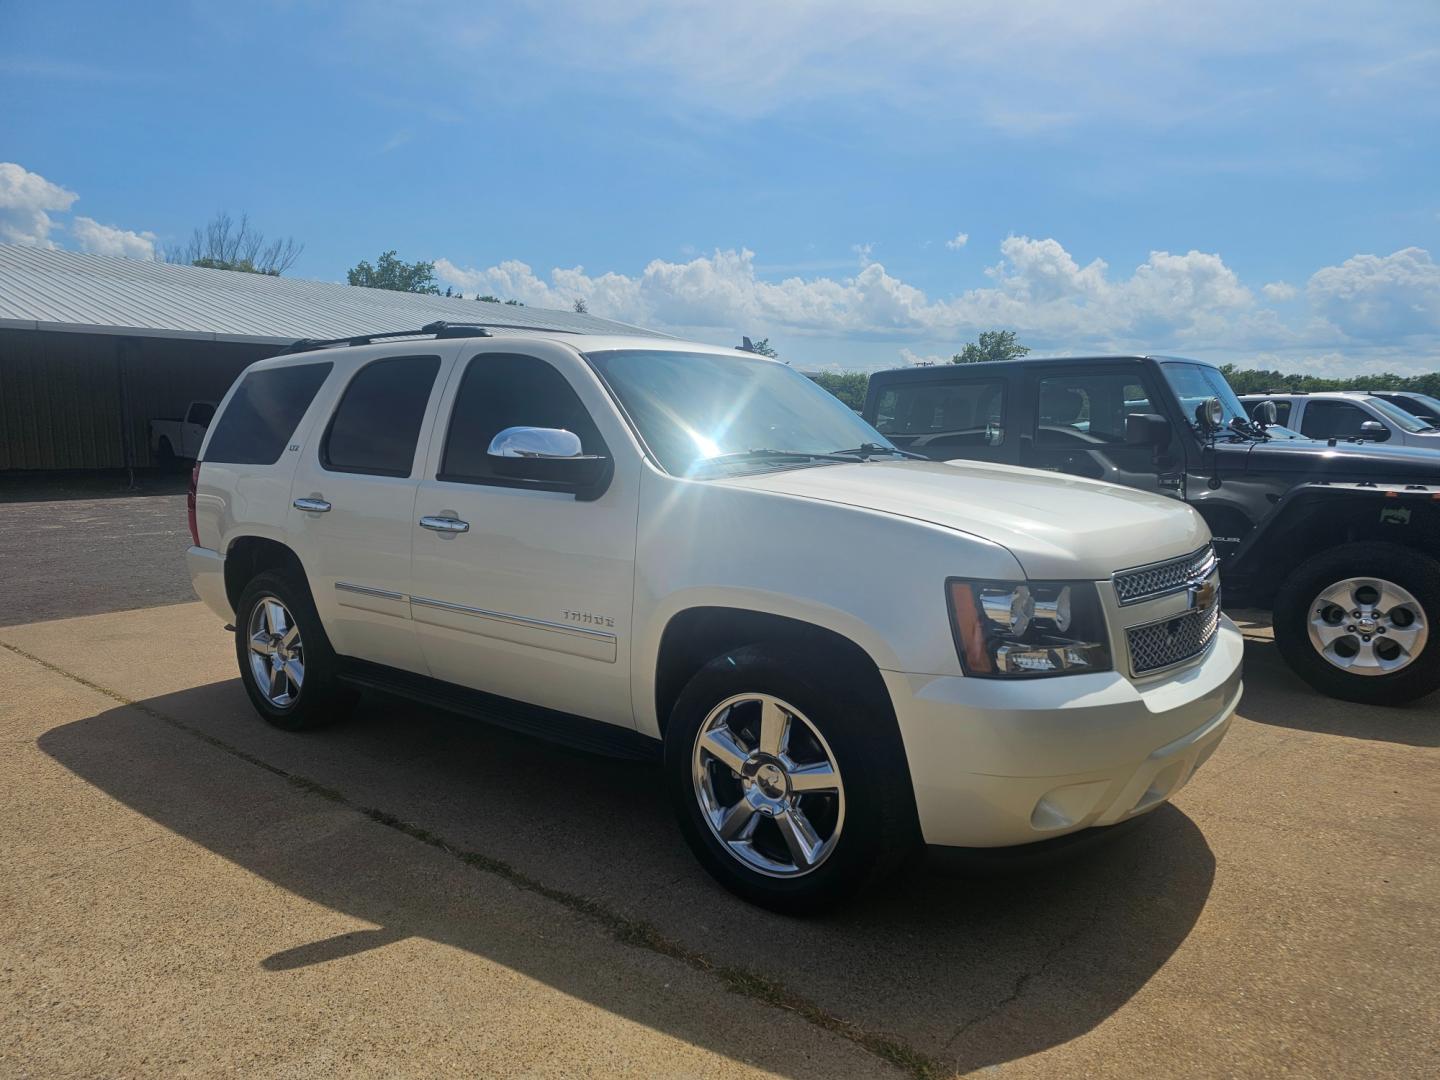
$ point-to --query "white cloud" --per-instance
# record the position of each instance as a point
(108, 240)
(1380, 297)
(911, 357)
(26, 201)
(1279, 291)
(960, 240)
(1186, 302)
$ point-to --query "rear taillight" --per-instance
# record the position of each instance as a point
(190, 505)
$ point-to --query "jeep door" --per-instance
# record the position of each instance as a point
(353, 503)
(519, 588)
(1077, 426)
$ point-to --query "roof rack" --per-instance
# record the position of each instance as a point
(438, 329)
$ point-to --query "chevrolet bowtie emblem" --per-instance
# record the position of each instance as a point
(1202, 594)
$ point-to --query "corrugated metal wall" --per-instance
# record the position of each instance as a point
(61, 394)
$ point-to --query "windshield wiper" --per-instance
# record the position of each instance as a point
(865, 451)
(767, 454)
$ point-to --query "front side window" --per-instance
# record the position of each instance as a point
(377, 423)
(503, 390)
(257, 424)
(1333, 420)
(694, 409)
(943, 413)
(202, 412)
(1080, 409)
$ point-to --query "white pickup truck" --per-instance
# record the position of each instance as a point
(172, 438)
(655, 548)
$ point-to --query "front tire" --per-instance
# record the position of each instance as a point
(792, 789)
(286, 662)
(1361, 622)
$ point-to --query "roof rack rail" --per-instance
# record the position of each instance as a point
(1282, 390)
(438, 329)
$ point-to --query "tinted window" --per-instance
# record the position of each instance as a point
(377, 422)
(257, 424)
(1083, 410)
(930, 414)
(1332, 420)
(501, 390)
(202, 412)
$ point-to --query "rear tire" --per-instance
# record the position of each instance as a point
(830, 806)
(286, 662)
(1327, 604)
(165, 457)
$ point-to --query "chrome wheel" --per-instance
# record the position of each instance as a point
(277, 656)
(1367, 626)
(768, 785)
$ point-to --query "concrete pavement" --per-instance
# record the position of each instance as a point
(411, 894)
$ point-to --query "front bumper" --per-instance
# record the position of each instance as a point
(207, 576)
(997, 762)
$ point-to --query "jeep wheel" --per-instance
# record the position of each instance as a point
(790, 790)
(286, 662)
(1360, 623)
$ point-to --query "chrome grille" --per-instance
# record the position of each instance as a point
(1157, 579)
(1168, 642)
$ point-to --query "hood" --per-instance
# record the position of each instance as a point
(1058, 527)
(1346, 462)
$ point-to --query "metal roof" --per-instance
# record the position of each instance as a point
(51, 289)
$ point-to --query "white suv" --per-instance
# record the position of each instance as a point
(657, 548)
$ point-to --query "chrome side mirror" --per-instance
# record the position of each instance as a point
(550, 459)
(1374, 431)
(535, 442)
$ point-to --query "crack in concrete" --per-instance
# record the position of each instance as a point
(1025, 978)
(628, 931)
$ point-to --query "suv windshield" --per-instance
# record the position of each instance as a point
(1398, 416)
(1193, 383)
(704, 412)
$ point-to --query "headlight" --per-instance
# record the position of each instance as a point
(1032, 628)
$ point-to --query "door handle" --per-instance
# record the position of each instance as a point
(313, 506)
(444, 524)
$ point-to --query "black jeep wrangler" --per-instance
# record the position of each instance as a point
(1339, 541)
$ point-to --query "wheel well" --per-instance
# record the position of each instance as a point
(251, 555)
(1320, 524)
(694, 637)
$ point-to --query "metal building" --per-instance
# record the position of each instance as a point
(92, 347)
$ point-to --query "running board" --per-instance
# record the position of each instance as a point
(577, 732)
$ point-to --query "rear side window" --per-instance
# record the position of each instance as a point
(377, 423)
(501, 390)
(943, 414)
(1081, 410)
(201, 413)
(257, 424)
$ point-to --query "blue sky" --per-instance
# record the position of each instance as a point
(864, 184)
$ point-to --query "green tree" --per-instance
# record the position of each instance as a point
(226, 244)
(487, 298)
(761, 347)
(391, 273)
(580, 307)
(848, 386)
(993, 345)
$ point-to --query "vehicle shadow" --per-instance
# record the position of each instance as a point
(1275, 695)
(969, 971)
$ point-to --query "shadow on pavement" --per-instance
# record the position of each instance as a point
(91, 484)
(1275, 695)
(971, 972)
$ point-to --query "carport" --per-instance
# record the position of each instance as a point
(93, 347)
